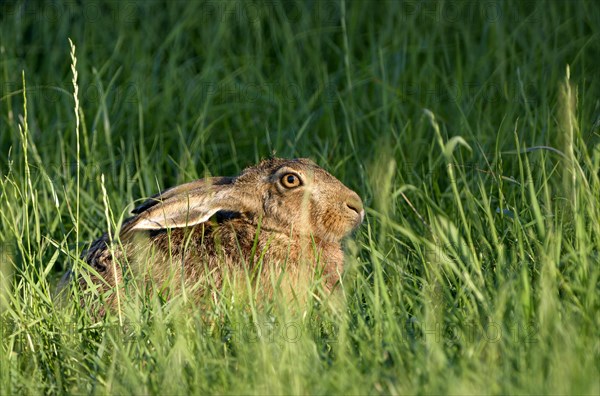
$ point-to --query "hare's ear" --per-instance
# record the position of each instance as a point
(186, 205)
(181, 189)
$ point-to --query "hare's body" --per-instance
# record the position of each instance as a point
(280, 222)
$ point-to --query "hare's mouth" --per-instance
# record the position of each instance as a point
(358, 221)
(362, 216)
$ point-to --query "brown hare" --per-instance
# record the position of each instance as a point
(278, 217)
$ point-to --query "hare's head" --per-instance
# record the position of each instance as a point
(298, 196)
(288, 196)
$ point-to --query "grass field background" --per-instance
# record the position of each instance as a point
(470, 129)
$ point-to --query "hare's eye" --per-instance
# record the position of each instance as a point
(290, 180)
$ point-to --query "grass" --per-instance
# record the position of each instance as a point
(470, 130)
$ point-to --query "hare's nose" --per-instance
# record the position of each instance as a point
(356, 205)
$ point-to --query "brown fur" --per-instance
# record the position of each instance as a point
(172, 239)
